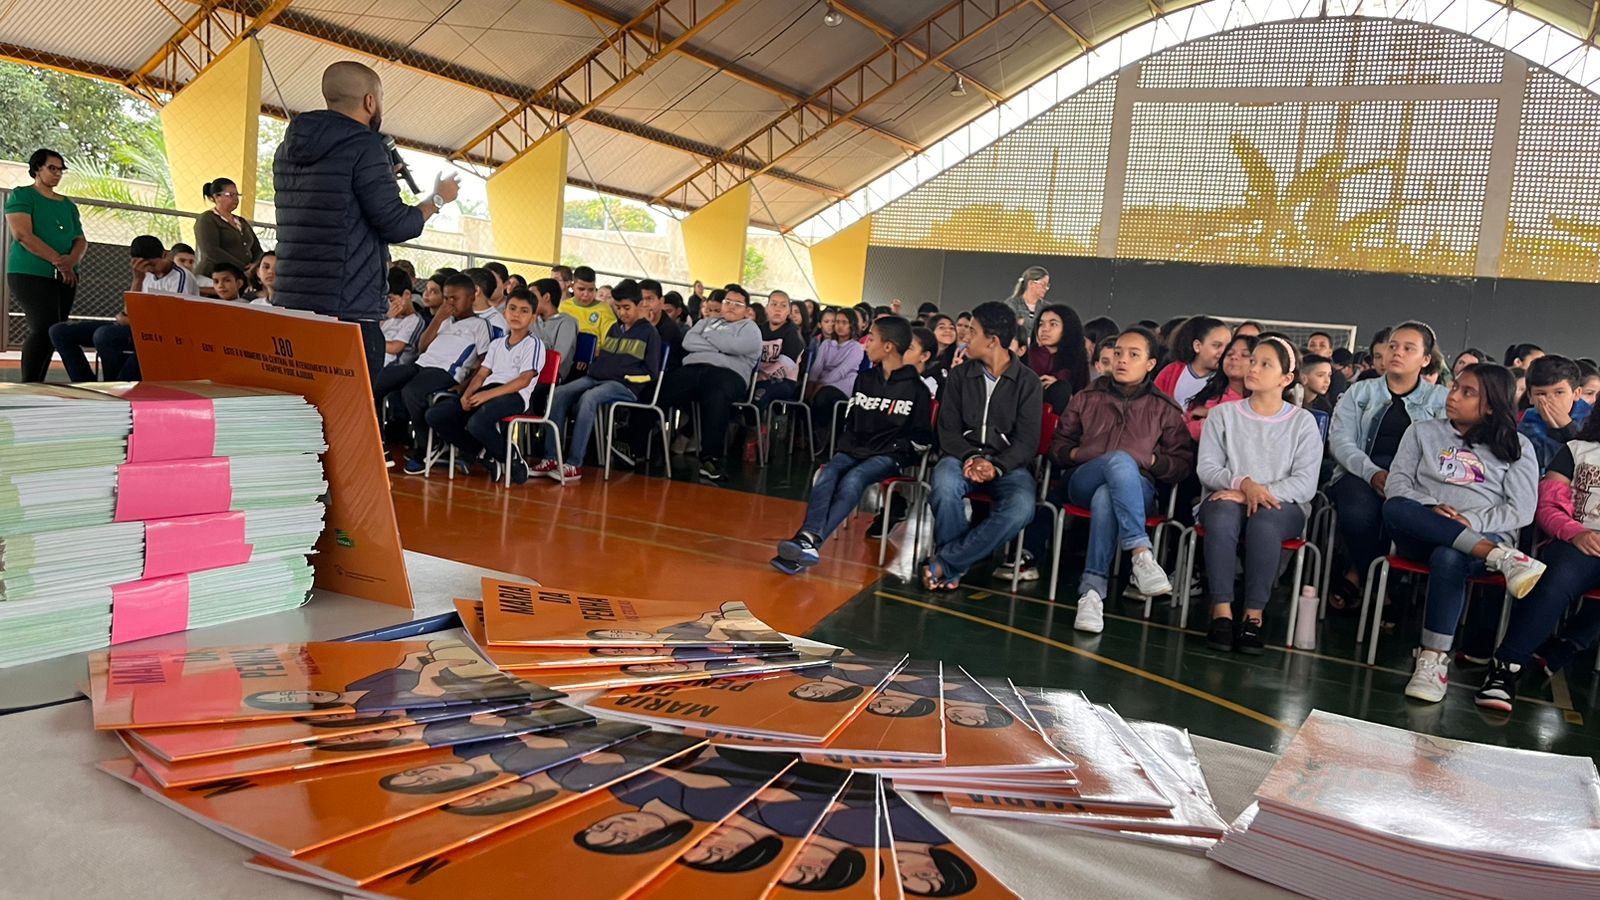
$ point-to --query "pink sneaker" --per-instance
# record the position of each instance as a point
(546, 468)
(569, 473)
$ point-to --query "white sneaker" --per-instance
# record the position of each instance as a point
(1091, 613)
(1148, 575)
(1431, 677)
(1030, 572)
(1521, 571)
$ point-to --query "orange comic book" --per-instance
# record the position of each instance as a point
(842, 854)
(297, 812)
(807, 705)
(607, 845)
(558, 658)
(1109, 773)
(672, 672)
(930, 865)
(982, 738)
(903, 722)
(187, 742)
(373, 854)
(157, 688)
(515, 613)
(745, 855)
(364, 745)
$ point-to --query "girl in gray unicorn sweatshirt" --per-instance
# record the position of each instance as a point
(1459, 490)
(1258, 462)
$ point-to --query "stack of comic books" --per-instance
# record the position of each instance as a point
(131, 510)
(1359, 810)
(576, 641)
(416, 769)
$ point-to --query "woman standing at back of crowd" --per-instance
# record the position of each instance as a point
(1055, 352)
(220, 236)
(47, 243)
(1367, 426)
(1028, 296)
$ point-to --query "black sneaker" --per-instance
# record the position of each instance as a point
(1248, 640)
(897, 513)
(1555, 654)
(799, 550)
(497, 472)
(787, 567)
(519, 471)
(711, 470)
(1499, 689)
(624, 456)
(1221, 635)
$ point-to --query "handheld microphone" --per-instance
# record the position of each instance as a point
(405, 170)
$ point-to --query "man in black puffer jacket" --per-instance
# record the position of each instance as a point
(339, 208)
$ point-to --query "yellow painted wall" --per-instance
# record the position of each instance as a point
(527, 202)
(714, 237)
(211, 128)
(839, 265)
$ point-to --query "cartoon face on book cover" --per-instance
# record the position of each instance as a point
(845, 853)
(982, 733)
(148, 688)
(608, 845)
(381, 851)
(904, 721)
(506, 657)
(345, 748)
(747, 852)
(930, 864)
(516, 613)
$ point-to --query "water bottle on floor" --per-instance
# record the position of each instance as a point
(1305, 619)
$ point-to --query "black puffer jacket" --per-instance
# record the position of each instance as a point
(338, 211)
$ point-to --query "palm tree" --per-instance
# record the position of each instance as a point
(142, 158)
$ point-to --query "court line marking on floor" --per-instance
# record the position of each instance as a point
(1561, 694)
(1179, 686)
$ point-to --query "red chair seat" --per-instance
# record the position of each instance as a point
(1406, 565)
(1291, 545)
(1083, 513)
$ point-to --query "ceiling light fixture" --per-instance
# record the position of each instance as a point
(960, 90)
(832, 18)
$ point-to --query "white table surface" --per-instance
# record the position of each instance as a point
(435, 582)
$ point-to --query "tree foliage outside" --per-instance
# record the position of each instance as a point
(755, 267)
(81, 118)
(591, 213)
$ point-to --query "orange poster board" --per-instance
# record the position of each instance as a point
(180, 338)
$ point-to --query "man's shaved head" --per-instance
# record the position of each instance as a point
(347, 85)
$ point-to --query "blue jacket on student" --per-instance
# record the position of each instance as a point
(1547, 441)
(338, 211)
(1355, 421)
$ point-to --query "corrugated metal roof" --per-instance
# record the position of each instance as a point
(113, 33)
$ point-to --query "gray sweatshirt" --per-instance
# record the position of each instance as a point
(559, 333)
(1282, 454)
(735, 346)
(1434, 466)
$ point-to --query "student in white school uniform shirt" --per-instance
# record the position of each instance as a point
(486, 287)
(449, 350)
(499, 388)
(154, 272)
(402, 326)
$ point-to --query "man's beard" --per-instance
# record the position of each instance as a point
(377, 122)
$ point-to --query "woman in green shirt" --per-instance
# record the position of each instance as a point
(42, 267)
(220, 236)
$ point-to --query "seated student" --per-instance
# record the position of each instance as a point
(651, 309)
(1344, 362)
(402, 326)
(184, 256)
(1377, 365)
(1053, 354)
(484, 288)
(625, 368)
(1556, 413)
(227, 282)
(499, 388)
(1367, 426)
(555, 329)
(988, 430)
(595, 317)
(1521, 356)
(1316, 374)
(834, 365)
(1096, 332)
(1225, 385)
(673, 307)
(1247, 328)
(1588, 381)
(1105, 354)
(432, 296)
(1571, 518)
(1319, 343)
(154, 272)
(1458, 491)
(1114, 442)
(447, 352)
(1197, 348)
(890, 420)
(1258, 462)
(920, 357)
(719, 358)
(781, 348)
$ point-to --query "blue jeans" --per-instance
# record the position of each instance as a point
(1119, 498)
(590, 395)
(838, 489)
(1424, 536)
(1570, 575)
(477, 432)
(1226, 523)
(113, 344)
(1362, 530)
(960, 544)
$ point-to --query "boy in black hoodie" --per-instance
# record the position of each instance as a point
(991, 412)
(889, 421)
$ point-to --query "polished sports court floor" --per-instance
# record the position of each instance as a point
(677, 539)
